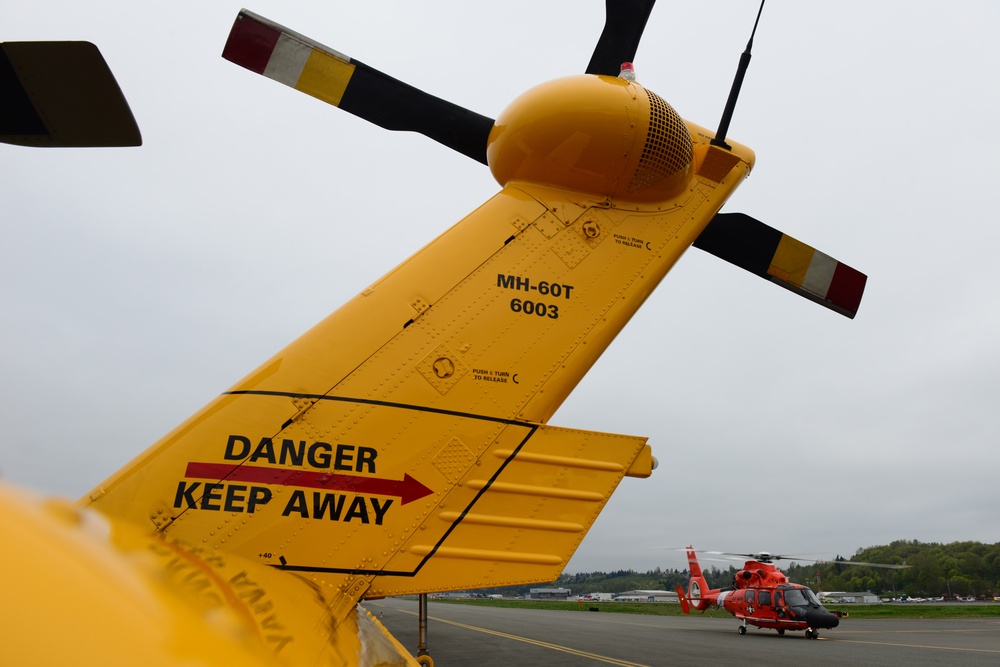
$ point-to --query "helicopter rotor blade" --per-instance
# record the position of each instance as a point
(729, 556)
(267, 48)
(887, 566)
(264, 47)
(766, 557)
(62, 94)
(775, 256)
(623, 25)
(827, 561)
(761, 556)
(795, 557)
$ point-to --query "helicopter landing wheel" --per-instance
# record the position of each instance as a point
(425, 661)
(811, 634)
(742, 629)
(781, 631)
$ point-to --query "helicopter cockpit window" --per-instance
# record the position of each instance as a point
(749, 597)
(764, 597)
(800, 597)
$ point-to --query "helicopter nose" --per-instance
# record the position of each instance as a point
(821, 618)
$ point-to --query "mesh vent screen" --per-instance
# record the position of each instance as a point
(668, 146)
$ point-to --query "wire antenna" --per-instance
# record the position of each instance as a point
(734, 92)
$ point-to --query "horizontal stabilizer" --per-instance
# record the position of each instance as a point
(278, 53)
(682, 598)
(770, 254)
(525, 520)
(61, 94)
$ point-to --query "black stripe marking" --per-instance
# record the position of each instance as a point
(387, 404)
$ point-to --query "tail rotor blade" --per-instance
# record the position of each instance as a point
(278, 53)
(766, 252)
(623, 26)
(61, 94)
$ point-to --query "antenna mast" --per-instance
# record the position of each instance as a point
(734, 92)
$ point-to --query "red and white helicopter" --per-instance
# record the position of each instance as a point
(762, 596)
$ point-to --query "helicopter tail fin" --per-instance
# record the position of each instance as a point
(697, 584)
(693, 566)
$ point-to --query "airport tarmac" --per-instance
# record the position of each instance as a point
(482, 636)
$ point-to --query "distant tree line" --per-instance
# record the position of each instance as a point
(958, 568)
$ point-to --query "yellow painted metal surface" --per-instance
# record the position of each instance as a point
(325, 77)
(791, 260)
(519, 523)
(94, 591)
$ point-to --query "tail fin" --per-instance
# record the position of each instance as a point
(697, 585)
(396, 447)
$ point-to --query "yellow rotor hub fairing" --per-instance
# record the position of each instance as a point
(600, 135)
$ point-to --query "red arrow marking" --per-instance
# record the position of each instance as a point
(407, 489)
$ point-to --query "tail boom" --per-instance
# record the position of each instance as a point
(392, 448)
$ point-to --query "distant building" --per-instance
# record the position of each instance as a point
(549, 594)
(647, 596)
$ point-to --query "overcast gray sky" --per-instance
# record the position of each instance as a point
(136, 284)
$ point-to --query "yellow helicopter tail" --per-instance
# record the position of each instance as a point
(387, 451)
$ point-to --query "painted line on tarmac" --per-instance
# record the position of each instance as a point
(927, 646)
(527, 640)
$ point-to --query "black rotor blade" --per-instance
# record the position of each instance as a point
(61, 94)
(394, 105)
(773, 255)
(623, 25)
(278, 53)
